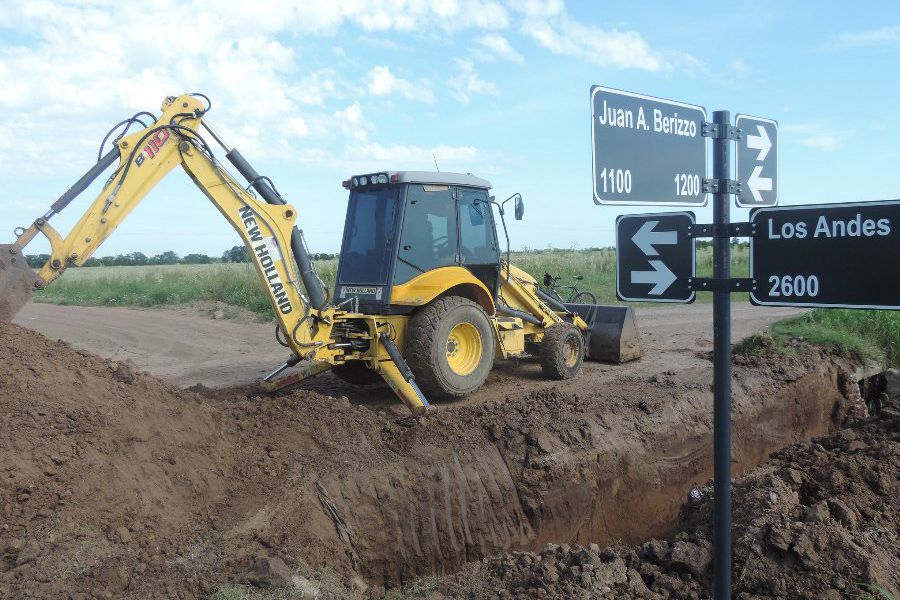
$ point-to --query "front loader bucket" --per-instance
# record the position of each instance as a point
(17, 281)
(613, 335)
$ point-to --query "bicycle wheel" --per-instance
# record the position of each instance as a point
(583, 298)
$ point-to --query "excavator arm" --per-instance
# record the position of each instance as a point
(267, 226)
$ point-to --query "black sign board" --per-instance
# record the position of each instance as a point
(655, 257)
(647, 150)
(827, 255)
(756, 161)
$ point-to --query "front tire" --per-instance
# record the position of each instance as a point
(450, 347)
(562, 351)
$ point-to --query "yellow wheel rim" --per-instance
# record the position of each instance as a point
(570, 352)
(464, 348)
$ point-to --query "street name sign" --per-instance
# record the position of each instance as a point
(827, 255)
(655, 257)
(756, 161)
(647, 150)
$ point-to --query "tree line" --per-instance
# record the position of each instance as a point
(236, 254)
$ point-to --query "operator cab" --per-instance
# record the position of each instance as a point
(401, 224)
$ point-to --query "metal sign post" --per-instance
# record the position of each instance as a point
(648, 150)
(721, 361)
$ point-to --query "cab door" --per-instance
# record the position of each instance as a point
(478, 247)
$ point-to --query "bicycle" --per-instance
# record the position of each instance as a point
(575, 296)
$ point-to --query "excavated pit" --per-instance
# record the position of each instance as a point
(112, 481)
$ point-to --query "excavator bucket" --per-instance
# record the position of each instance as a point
(17, 281)
(613, 335)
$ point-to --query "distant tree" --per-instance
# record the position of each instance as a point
(36, 261)
(166, 258)
(237, 254)
(196, 259)
(92, 262)
(138, 259)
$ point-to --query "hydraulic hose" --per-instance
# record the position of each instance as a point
(304, 263)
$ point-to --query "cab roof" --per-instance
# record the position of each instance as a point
(434, 178)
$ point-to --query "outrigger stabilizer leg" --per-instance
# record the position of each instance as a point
(394, 370)
(400, 377)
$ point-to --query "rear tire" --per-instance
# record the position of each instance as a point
(562, 351)
(356, 373)
(450, 347)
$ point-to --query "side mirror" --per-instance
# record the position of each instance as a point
(520, 208)
(548, 279)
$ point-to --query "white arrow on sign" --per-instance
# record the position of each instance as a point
(760, 142)
(645, 238)
(758, 184)
(661, 277)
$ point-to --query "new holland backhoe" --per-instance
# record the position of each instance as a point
(424, 297)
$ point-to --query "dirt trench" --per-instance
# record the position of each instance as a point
(113, 483)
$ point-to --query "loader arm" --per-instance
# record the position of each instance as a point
(144, 159)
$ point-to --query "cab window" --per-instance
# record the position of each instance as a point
(476, 229)
(429, 238)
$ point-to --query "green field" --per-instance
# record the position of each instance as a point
(873, 335)
(238, 284)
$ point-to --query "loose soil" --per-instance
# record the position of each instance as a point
(116, 484)
(819, 520)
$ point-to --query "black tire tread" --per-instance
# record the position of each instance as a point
(553, 363)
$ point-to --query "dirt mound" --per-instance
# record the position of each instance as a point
(114, 484)
(818, 520)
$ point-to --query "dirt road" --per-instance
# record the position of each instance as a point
(186, 348)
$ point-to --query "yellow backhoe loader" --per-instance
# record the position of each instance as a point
(423, 298)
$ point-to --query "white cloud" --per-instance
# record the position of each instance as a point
(548, 23)
(75, 67)
(815, 135)
(883, 36)
(384, 83)
(351, 122)
(499, 46)
(623, 49)
(467, 83)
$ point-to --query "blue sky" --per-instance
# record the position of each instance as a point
(314, 92)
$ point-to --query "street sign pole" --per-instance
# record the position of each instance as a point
(721, 363)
